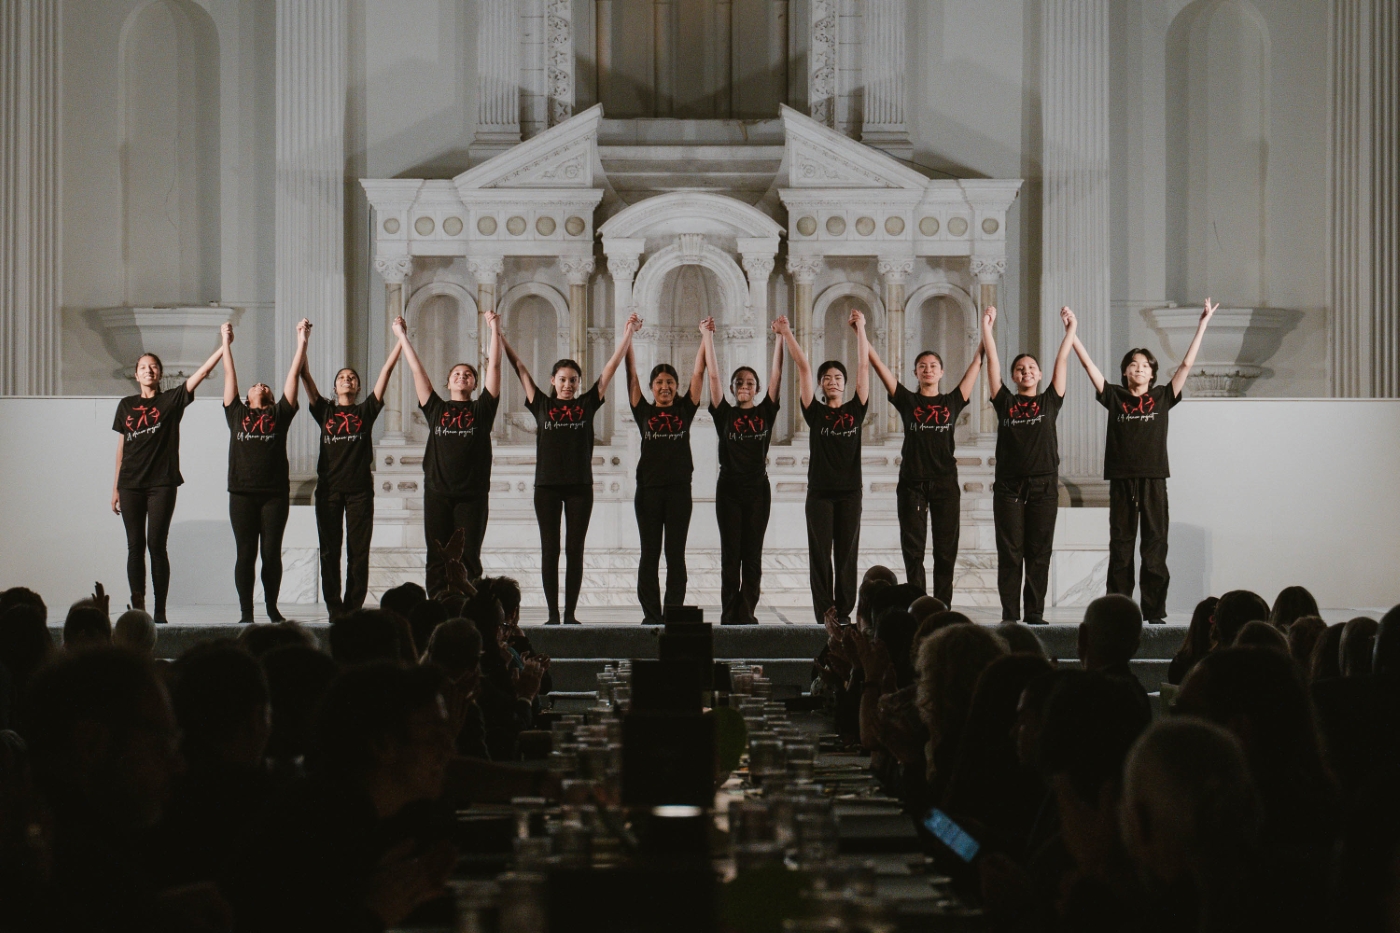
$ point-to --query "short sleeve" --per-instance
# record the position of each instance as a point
(956, 403)
(1105, 395)
(175, 401)
(371, 407)
(487, 404)
(286, 410)
(592, 400)
(1170, 397)
(233, 412)
(119, 418)
(899, 398)
(320, 409)
(859, 408)
(689, 408)
(770, 405)
(1053, 400)
(536, 405)
(809, 413)
(432, 407)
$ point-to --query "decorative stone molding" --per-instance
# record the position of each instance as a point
(692, 247)
(884, 30)
(1235, 348)
(498, 80)
(486, 269)
(623, 267)
(895, 271)
(821, 81)
(737, 333)
(804, 269)
(988, 271)
(394, 271)
(465, 300)
(559, 59)
(691, 212)
(759, 269)
(733, 285)
(183, 338)
(577, 269)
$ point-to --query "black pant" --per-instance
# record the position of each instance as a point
(1131, 500)
(442, 516)
(575, 504)
(356, 509)
(662, 512)
(936, 503)
(1024, 511)
(146, 513)
(742, 513)
(833, 526)
(258, 516)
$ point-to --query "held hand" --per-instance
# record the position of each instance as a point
(400, 326)
(116, 503)
(493, 320)
(1070, 321)
(781, 326)
(634, 323)
(989, 317)
(1210, 309)
(856, 320)
(226, 332)
(303, 331)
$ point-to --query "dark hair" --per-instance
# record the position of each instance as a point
(215, 689)
(159, 364)
(455, 646)
(366, 635)
(403, 599)
(507, 593)
(1386, 659)
(351, 370)
(831, 364)
(104, 685)
(1112, 629)
(297, 678)
(425, 617)
(1302, 637)
(566, 363)
(1128, 358)
(1235, 609)
(364, 705)
(484, 610)
(1020, 639)
(746, 369)
(1358, 645)
(895, 629)
(928, 353)
(25, 642)
(86, 626)
(23, 596)
(940, 620)
(1326, 660)
(1091, 721)
(1260, 634)
(661, 368)
(262, 638)
(1196, 645)
(1291, 603)
(1021, 356)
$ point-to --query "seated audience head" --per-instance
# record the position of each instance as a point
(262, 638)
(297, 679)
(403, 599)
(1357, 646)
(864, 596)
(1190, 809)
(1326, 660)
(1199, 633)
(1020, 639)
(23, 596)
(1261, 634)
(900, 596)
(366, 635)
(879, 572)
(507, 593)
(24, 641)
(949, 663)
(938, 621)
(383, 730)
(1303, 636)
(425, 617)
(895, 628)
(996, 700)
(1291, 604)
(1232, 612)
(1110, 633)
(455, 646)
(1030, 715)
(220, 698)
(925, 606)
(1386, 659)
(86, 627)
(102, 736)
(135, 631)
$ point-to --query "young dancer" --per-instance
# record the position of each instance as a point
(564, 464)
(1025, 494)
(258, 481)
(345, 478)
(834, 484)
(743, 498)
(1135, 465)
(664, 469)
(148, 472)
(457, 463)
(928, 495)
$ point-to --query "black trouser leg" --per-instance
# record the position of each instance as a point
(245, 514)
(578, 510)
(729, 515)
(678, 504)
(1122, 534)
(649, 504)
(549, 508)
(1152, 501)
(274, 523)
(359, 530)
(945, 521)
(1041, 510)
(820, 518)
(1008, 516)
(437, 528)
(911, 505)
(845, 533)
(133, 506)
(330, 515)
(160, 509)
(755, 526)
(470, 513)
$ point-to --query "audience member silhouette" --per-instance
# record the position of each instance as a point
(1261, 634)
(1357, 646)
(86, 626)
(1198, 641)
(1234, 609)
(1303, 636)
(136, 631)
(1290, 605)
(1326, 660)
(298, 676)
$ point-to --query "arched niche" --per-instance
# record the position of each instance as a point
(942, 317)
(537, 319)
(689, 293)
(441, 318)
(1217, 112)
(833, 339)
(733, 287)
(168, 113)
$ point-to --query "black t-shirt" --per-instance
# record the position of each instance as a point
(257, 446)
(458, 459)
(744, 436)
(928, 433)
(665, 458)
(347, 451)
(834, 461)
(1026, 441)
(151, 427)
(1137, 432)
(564, 437)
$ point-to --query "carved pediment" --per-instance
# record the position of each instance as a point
(561, 157)
(820, 157)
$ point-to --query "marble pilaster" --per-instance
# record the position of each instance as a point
(393, 272)
(486, 270)
(894, 273)
(498, 79)
(578, 270)
(885, 25)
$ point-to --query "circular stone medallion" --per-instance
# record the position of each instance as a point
(928, 226)
(545, 226)
(424, 226)
(836, 225)
(957, 226)
(515, 226)
(807, 226)
(452, 226)
(391, 225)
(894, 226)
(486, 226)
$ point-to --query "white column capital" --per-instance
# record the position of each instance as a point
(623, 266)
(758, 267)
(577, 269)
(895, 270)
(394, 271)
(988, 271)
(486, 269)
(804, 269)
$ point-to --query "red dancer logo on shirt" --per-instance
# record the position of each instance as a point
(746, 426)
(1142, 408)
(665, 423)
(842, 422)
(459, 419)
(343, 424)
(1023, 410)
(142, 417)
(260, 422)
(935, 417)
(564, 415)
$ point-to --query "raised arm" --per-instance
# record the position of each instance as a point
(605, 378)
(857, 321)
(230, 377)
(202, 373)
(634, 383)
(697, 376)
(969, 378)
(1189, 360)
(527, 382)
(1095, 375)
(313, 394)
(289, 388)
(1060, 375)
(806, 391)
(775, 375)
(493, 360)
(881, 370)
(422, 384)
(381, 385)
(707, 343)
(989, 346)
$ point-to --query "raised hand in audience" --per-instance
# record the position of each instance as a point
(458, 579)
(527, 679)
(101, 599)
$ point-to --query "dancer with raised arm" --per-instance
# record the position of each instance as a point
(1135, 465)
(928, 496)
(664, 468)
(258, 478)
(148, 472)
(834, 484)
(743, 498)
(1026, 491)
(345, 478)
(457, 462)
(564, 464)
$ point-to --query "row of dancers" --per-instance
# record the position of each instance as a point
(458, 459)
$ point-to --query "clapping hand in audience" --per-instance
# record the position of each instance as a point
(100, 599)
(527, 679)
(457, 578)
(404, 881)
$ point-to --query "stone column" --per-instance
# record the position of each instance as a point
(1364, 169)
(30, 218)
(578, 269)
(758, 267)
(624, 259)
(393, 271)
(988, 273)
(894, 273)
(803, 270)
(886, 23)
(1075, 219)
(311, 52)
(498, 80)
(485, 269)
